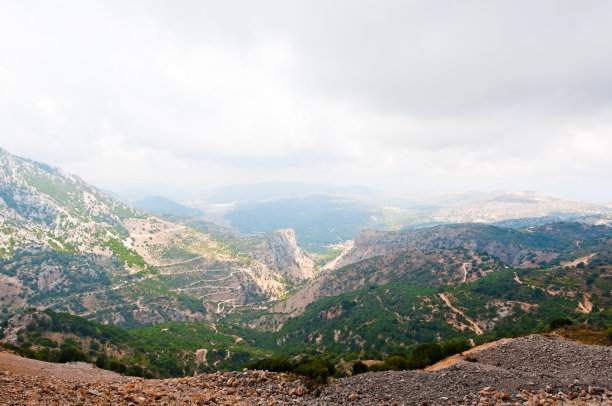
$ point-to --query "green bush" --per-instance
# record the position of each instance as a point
(378, 367)
(72, 354)
(117, 366)
(69, 342)
(359, 368)
(396, 363)
(135, 370)
(425, 354)
(102, 361)
(316, 369)
(372, 354)
(455, 347)
(272, 364)
(560, 322)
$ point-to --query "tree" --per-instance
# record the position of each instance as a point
(560, 322)
(359, 368)
(72, 354)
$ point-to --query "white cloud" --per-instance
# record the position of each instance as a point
(426, 95)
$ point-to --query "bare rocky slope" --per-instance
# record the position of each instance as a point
(522, 370)
(68, 246)
(279, 250)
(527, 371)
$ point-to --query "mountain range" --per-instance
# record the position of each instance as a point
(323, 216)
(198, 296)
(66, 245)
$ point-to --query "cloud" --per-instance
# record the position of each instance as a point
(429, 95)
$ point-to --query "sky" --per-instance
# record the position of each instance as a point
(395, 95)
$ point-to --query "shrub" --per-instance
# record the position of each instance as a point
(372, 354)
(609, 334)
(425, 354)
(116, 366)
(45, 342)
(69, 342)
(272, 364)
(134, 370)
(455, 347)
(560, 322)
(102, 361)
(378, 367)
(72, 354)
(316, 369)
(396, 363)
(359, 368)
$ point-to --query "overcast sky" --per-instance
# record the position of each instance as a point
(397, 95)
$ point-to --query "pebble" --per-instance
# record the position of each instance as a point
(228, 388)
(583, 377)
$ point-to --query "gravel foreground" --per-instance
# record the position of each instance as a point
(533, 370)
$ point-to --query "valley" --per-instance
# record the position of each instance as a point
(87, 278)
(277, 203)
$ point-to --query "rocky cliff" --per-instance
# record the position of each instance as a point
(279, 250)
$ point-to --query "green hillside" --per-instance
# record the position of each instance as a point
(383, 320)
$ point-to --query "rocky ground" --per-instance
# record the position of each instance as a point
(531, 370)
(82, 384)
(527, 371)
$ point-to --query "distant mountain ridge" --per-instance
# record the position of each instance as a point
(325, 219)
(508, 205)
(160, 204)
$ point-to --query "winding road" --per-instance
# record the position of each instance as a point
(475, 327)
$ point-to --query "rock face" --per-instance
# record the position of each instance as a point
(370, 243)
(48, 277)
(146, 316)
(46, 206)
(17, 323)
(279, 250)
